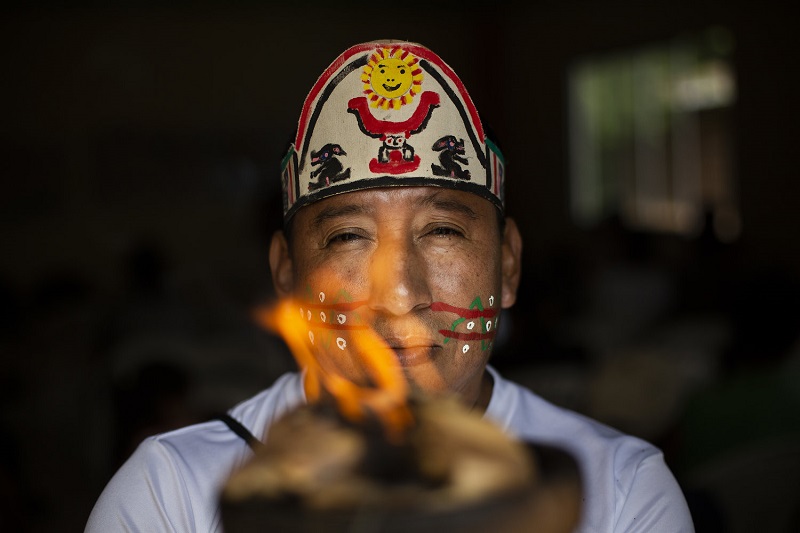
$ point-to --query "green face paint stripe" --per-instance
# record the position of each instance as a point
(342, 296)
(476, 303)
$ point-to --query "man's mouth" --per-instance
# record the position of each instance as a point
(414, 353)
(391, 88)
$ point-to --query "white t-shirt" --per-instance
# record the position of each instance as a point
(172, 481)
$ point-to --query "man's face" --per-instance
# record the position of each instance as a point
(426, 268)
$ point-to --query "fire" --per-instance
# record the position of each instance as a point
(387, 400)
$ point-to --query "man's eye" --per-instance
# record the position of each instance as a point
(445, 231)
(344, 237)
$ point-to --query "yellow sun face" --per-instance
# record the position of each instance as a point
(391, 78)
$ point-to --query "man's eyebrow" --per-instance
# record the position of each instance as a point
(333, 211)
(448, 204)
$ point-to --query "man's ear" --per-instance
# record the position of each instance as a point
(511, 263)
(280, 263)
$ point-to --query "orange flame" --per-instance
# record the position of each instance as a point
(387, 400)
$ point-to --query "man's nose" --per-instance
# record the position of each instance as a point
(398, 278)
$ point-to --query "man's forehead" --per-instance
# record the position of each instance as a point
(372, 201)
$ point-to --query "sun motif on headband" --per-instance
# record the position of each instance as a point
(391, 78)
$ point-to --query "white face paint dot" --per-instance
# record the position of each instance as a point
(322, 316)
(302, 313)
(470, 325)
(465, 348)
(491, 300)
(488, 325)
(341, 343)
(341, 318)
(308, 315)
(321, 297)
(311, 336)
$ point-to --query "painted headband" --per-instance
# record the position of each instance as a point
(389, 113)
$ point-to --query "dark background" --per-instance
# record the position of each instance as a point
(140, 145)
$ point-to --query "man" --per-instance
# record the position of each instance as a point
(393, 210)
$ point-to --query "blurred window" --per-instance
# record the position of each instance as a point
(650, 136)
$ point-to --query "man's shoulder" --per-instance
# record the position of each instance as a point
(260, 411)
(526, 414)
(209, 437)
(182, 469)
(624, 478)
